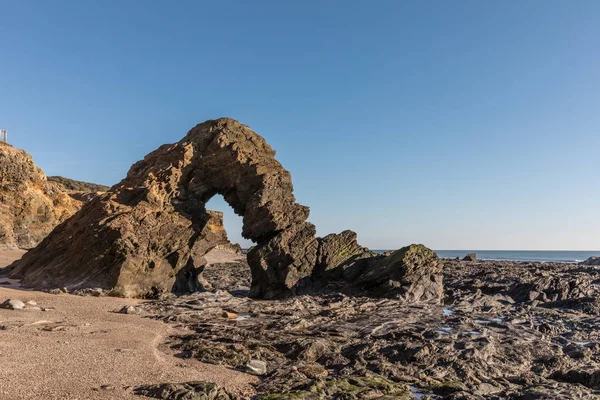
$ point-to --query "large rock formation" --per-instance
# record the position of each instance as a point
(148, 234)
(30, 205)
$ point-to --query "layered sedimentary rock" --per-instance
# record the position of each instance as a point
(413, 273)
(507, 330)
(148, 234)
(30, 205)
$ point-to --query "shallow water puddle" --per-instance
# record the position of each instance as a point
(448, 312)
(418, 394)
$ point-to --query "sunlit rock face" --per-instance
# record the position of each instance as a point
(31, 205)
(148, 234)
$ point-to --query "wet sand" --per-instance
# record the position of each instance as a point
(83, 349)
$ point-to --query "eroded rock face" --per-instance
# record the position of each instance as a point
(593, 260)
(471, 257)
(413, 273)
(488, 341)
(336, 251)
(148, 234)
(30, 205)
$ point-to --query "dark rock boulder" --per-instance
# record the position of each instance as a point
(471, 257)
(337, 251)
(593, 260)
(196, 390)
(283, 262)
(413, 273)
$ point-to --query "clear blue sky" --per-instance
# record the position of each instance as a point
(460, 125)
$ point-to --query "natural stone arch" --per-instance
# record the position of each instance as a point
(149, 232)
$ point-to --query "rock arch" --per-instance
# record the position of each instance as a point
(148, 234)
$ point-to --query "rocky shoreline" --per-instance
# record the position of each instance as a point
(306, 317)
(507, 330)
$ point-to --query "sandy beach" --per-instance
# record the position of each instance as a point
(80, 348)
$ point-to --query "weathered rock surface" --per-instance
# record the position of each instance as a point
(593, 260)
(78, 186)
(196, 390)
(471, 257)
(337, 252)
(13, 304)
(482, 344)
(148, 235)
(413, 273)
(30, 205)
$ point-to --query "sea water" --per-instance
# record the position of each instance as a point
(519, 255)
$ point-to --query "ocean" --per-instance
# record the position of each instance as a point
(519, 255)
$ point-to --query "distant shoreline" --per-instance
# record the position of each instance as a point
(556, 256)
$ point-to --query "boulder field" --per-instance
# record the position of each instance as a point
(147, 235)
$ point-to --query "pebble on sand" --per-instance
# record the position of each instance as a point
(257, 367)
(13, 304)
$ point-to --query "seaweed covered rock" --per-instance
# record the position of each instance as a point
(196, 390)
(336, 251)
(413, 273)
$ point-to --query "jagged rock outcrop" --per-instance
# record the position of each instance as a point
(337, 251)
(471, 257)
(148, 234)
(30, 205)
(195, 390)
(593, 260)
(413, 273)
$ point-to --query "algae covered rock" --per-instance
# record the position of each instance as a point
(337, 250)
(413, 273)
(347, 388)
(196, 390)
